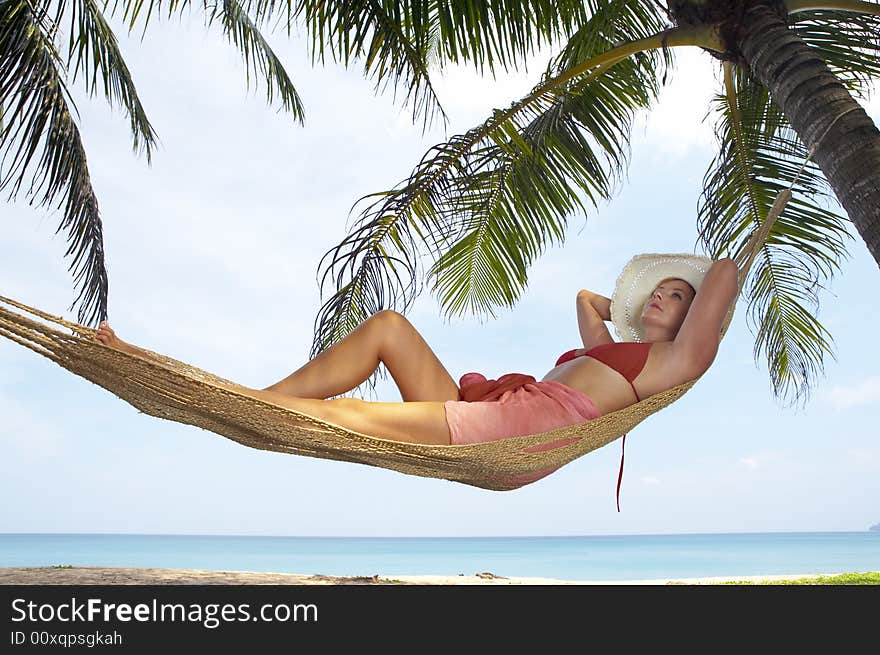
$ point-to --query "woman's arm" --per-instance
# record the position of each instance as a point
(697, 340)
(592, 312)
(601, 304)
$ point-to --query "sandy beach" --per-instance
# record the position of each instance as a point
(94, 575)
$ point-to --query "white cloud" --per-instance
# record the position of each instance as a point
(650, 479)
(749, 462)
(862, 393)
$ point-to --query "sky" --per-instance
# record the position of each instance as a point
(212, 254)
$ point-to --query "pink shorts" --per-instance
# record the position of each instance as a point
(530, 408)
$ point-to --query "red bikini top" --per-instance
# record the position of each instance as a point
(626, 357)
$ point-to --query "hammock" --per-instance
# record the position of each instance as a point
(176, 391)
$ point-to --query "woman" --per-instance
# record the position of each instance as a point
(667, 309)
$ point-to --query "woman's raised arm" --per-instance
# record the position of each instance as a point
(697, 340)
(592, 312)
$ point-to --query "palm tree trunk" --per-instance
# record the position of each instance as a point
(813, 99)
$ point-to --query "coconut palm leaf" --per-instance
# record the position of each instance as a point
(258, 55)
(36, 102)
(513, 202)
(486, 202)
(395, 41)
(760, 155)
(400, 40)
(242, 31)
(132, 10)
(612, 22)
(848, 42)
(489, 34)
(94, 45)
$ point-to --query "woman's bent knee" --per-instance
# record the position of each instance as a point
(391, 327)
(389, 313)
(390, 318)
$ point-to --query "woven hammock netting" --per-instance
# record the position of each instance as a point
(176, 391)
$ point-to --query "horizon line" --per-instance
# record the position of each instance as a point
(475, 536)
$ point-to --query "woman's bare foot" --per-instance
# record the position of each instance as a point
(108, 337)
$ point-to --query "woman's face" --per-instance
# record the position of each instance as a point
(668, 304)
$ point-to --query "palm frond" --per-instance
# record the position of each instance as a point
(96, 50)
(612, 22)
(485, 203)
(395, 41)
(235, 17)
(848, 42)
(257, 54)
(759, 155)
(33, 91)
(496, 33)
(131, 10)
(393, 55)
(512, 202)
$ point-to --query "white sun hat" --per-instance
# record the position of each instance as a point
(640, 277)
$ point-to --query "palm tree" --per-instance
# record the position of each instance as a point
(484, 204)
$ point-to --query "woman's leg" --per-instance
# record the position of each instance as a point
(415, 422)
(387, 337)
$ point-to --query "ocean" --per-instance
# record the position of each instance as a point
(624, 557)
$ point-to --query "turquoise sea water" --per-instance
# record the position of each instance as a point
(629, 557)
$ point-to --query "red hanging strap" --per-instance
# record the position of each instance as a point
(620, 474)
